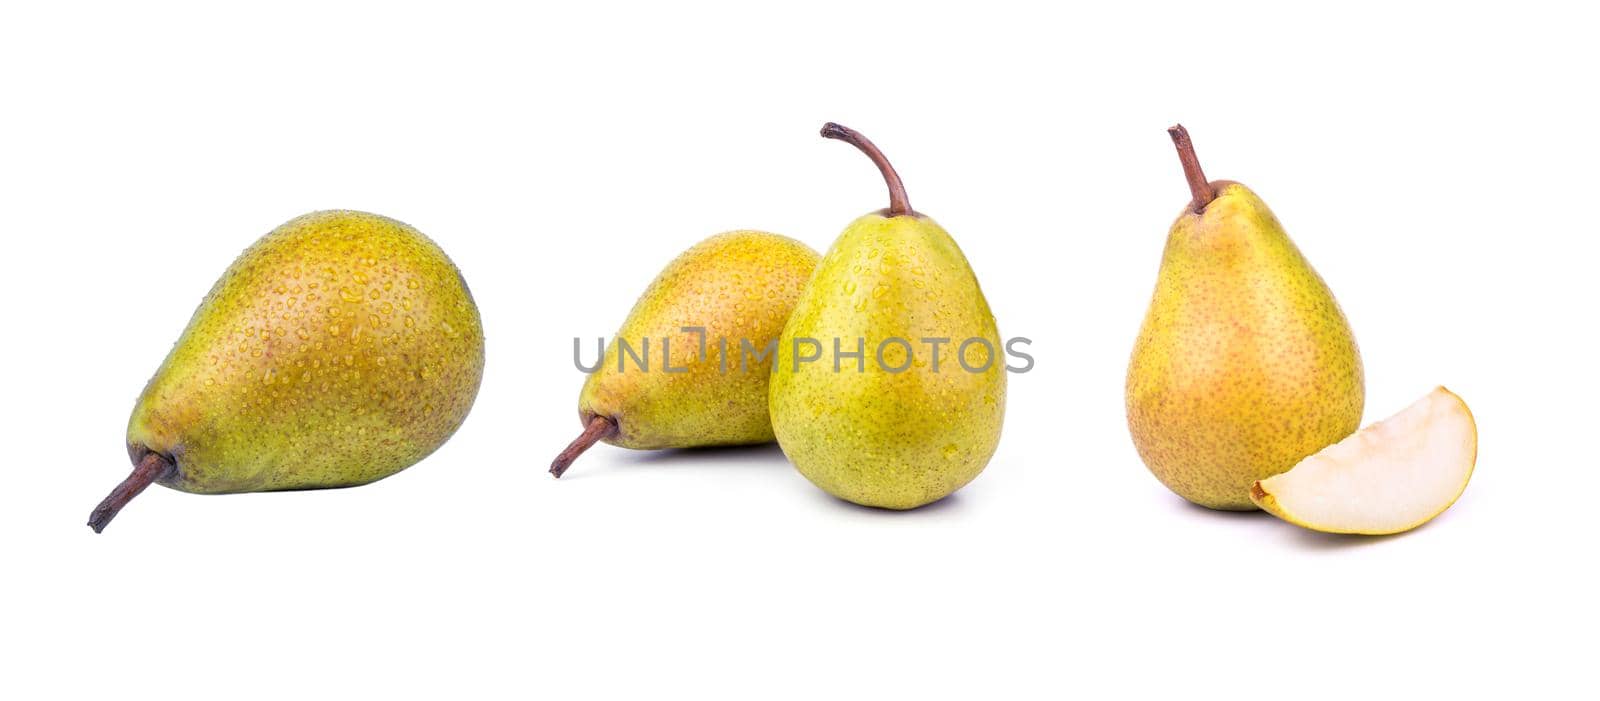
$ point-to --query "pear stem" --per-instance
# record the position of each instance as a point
(1198, 185)
(599, 428)
(154, 466)
(899, 204)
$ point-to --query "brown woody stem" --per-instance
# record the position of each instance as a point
(599, 428)
(899, 204)
(153, 467)
(1198, 185)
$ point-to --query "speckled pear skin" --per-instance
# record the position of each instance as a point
(339, 349)
(1245, 365)
(876, 438)
(737, 285)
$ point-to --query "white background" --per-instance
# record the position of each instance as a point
(1437, 166)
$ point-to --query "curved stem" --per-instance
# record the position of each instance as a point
(899, 204)
(1198, 185)
(599, 428)
(154, 466)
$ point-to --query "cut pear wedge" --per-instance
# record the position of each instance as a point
(1389, 477)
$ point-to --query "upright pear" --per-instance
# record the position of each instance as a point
(1244, 365)
(339, 349)
(690, 366)
(917, 414)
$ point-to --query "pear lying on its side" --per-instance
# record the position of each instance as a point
(1389, 477)
(716, 308)
(339, 349)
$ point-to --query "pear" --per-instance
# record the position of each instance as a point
(339, 349)
(1389, 477)
(1245, 364)
(903, 424)
(707, 321)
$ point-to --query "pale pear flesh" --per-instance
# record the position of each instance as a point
(1389, 477)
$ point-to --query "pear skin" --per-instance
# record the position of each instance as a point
(339, 349)
(865, 430)
(738, 287)
(1245, 364)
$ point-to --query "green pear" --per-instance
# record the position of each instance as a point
(339, 349)
(707, 321)
(903, 425)
(1245, 365)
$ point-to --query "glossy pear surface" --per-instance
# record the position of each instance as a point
(895, 440)
(1244, 365)
(739, 287)
(339, 349)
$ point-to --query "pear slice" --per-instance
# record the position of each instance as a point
(1389, 477)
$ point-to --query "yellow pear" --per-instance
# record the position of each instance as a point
(1245, 364)
(690, 366)
(339, 349)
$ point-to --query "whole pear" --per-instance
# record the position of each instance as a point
(690, 365)
(904, 424)
(1244, 365)
(339, 349)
